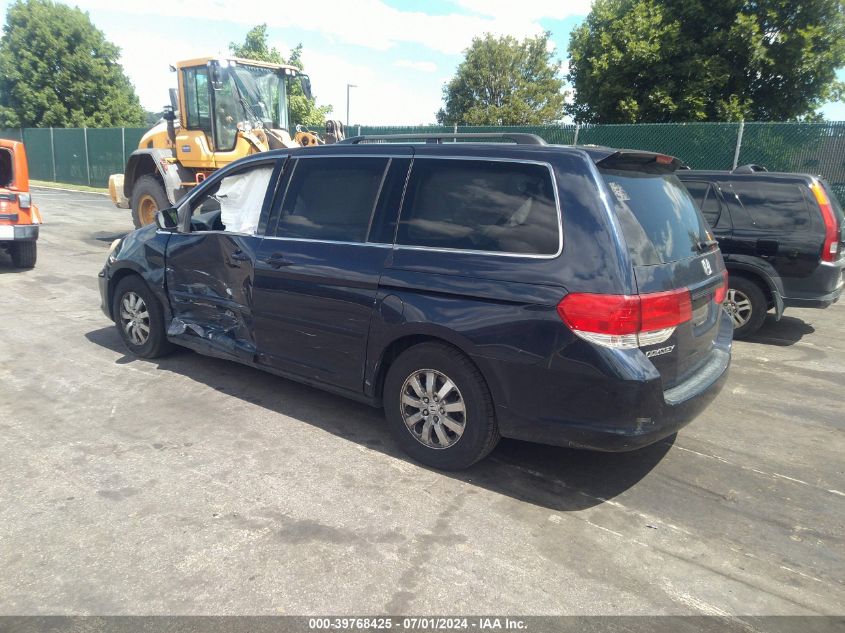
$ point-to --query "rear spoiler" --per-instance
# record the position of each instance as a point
(633, 160)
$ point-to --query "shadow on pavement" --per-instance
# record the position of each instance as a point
(556, 478)
(788, 331)
(6, 265)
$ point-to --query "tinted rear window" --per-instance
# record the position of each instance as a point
(774, 206)
(658, 216)
(480, 205)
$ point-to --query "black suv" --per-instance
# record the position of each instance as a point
(781, 235)
(562, 295)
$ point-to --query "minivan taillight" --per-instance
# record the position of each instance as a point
(625, 321)
(830, 248)
(721, 292)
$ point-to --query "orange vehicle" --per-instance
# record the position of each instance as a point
(19, 218)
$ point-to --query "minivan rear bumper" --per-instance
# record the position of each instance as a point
(637, 412)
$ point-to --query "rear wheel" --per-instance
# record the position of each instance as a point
(747, 306)
(24, 254)
(139, 318)
(439, 407)
(148, 198)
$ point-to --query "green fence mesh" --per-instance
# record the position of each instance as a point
(699, 145)
(39, 153)
(817, 148)
(105, 147)
(13, 134)
(71, 156)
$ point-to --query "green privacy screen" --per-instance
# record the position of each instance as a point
(39, 153)
(816, 148)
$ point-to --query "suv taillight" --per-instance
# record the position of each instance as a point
(625, 321)
(830, 248)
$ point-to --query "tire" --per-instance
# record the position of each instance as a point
(147, 194)
(152, 343)
(744, 294)
(479, 431)
(24, 254)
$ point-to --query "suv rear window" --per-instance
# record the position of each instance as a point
(479, 205)
(774, 206)
(658, 216)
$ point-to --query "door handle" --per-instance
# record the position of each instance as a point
(239, 256)
(277, 260)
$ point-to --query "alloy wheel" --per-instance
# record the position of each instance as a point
(738, 306)
(433, 409)
(135, 318)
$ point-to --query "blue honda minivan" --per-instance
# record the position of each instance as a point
(492, 286)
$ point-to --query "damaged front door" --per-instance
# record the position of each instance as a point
(210, 269)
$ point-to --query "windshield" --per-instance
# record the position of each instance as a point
(658, 216)
(262, 95)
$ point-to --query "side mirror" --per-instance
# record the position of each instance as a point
(167, 219)
(305, 82)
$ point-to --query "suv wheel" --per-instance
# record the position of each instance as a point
(139, 319)
(24, 254)
(439, 407)
(746, 304)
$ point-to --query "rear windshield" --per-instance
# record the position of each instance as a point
(658, 216)
(6, 175)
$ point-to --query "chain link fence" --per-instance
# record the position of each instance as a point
(89, 156)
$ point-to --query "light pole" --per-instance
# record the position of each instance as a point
(348, 86)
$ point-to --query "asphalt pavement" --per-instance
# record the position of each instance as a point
(190, 485)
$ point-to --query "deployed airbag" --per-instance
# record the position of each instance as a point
(241, 197)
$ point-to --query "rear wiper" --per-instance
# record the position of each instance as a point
(705, 245)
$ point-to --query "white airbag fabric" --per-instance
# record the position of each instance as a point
(241, 197)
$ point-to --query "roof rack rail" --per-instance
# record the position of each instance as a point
(520, 138)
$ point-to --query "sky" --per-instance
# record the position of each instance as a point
(398, 53)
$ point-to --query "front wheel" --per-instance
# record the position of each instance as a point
(439, 407)
(24, 254)
(139, 318)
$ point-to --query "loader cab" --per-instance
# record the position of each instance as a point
(229, 108)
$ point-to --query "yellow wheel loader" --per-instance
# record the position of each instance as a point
(223, 110)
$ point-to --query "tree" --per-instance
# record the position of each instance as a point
(705, 60)
(57, 69)
(255, 47)
(502, 81)
(303, 111)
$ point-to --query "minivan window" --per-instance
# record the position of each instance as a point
(480, 205)
(658, 216)
(774, 206)
(233, 203)
(331, 198)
